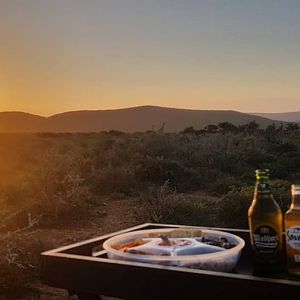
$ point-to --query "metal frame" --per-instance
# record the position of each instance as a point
(76, 268)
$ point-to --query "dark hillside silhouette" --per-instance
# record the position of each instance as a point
(134, 119)
(12, 121)
(286, 117)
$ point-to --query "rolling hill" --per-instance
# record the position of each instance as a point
(286, 117)
(14, 121)
(133, 119)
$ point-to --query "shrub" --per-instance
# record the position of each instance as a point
(281, 191)
(111, 180)
(19, 263)
(162, 204)
(233, 208)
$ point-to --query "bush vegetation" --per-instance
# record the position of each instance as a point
(53, 173)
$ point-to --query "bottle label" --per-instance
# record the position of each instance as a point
(293, 237)
(266, 240)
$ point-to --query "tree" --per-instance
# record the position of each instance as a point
(188, 130)
(271, 133)
(271, 129)
(211, 128)
(251, 127)
(227, 127)
(292, 127)
(191, 130)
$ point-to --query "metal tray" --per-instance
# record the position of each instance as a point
(84, 269)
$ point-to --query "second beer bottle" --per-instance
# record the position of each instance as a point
(292, 232)
(265, 223)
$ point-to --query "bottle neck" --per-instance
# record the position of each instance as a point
(295, 201)
(262, 186)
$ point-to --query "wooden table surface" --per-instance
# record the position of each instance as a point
(75, 268)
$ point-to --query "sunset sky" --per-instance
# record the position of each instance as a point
(60, 55)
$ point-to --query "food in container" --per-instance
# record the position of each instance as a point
(189, 248)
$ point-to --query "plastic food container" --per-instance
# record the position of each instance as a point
(187, 252)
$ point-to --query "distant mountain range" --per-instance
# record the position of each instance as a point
(286, 117)
(133, 119)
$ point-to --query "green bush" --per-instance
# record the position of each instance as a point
(233, 208)
(114, 180)
(281, 191)
(162, 204)
(58, 172)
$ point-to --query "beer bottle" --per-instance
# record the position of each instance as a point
(292, 232)
(265, 223)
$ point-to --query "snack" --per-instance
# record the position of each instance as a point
(179, 233)
(121, 247)
(189, 248)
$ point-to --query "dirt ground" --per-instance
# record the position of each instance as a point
(114, 215)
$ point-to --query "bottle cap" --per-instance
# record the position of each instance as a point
(262, 174)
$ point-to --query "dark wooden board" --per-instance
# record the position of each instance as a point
(74, 268)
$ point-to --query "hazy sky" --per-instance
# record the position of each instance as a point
(58, 55)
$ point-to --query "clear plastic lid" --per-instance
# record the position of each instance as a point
(194, 251)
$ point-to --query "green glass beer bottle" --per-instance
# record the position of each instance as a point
(266, 226)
